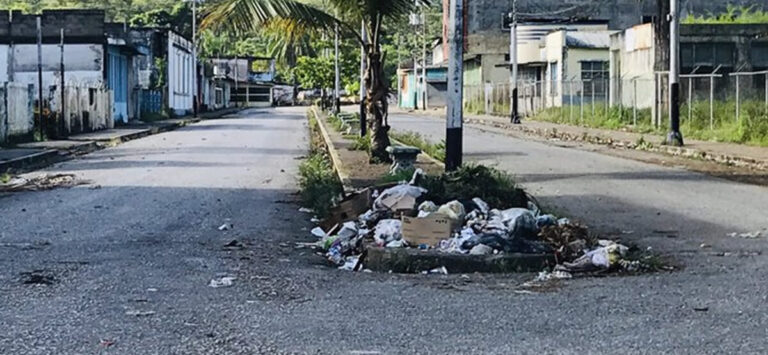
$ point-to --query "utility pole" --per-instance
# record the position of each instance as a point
(424, 59)
(194, 56)
(337, 81)
(513, 103)
(674, 137)
(454, 136)
(63, 101)
(40, 77)
(363, 65)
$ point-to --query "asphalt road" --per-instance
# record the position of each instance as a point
(131, 257)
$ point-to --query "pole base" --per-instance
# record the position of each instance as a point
(515, 119)
(674, 139)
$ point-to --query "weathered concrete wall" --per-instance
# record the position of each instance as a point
(485, 17)
(492, 73)
(4, 56)
(87, 108)
(16, 113)
(632, 67)
(181, 74)
(83, 64)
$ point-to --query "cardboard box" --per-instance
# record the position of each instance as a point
(349, 209)
(429, 230)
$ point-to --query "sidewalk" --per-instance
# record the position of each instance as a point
(724, 153)
(36, 155)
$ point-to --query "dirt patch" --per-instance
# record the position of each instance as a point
(365, 173)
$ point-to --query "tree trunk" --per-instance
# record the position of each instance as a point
(377, 106)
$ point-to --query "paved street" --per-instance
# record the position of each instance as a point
(130, 257)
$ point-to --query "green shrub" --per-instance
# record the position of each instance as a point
(493, 186)
(361, 143)
(319, 184)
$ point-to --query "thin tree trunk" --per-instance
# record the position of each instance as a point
(377, 106)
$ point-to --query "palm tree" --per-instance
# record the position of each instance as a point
(294, 16)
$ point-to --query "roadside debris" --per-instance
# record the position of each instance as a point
(403, 216)
(41, 183)
(226, 226)
(107, 343)
(753, 235)
(224, 281)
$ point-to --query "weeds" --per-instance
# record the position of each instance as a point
(493, 186)
(362, 143)
(719, 126)
(404, 175)
(319, 184)
(5, 178)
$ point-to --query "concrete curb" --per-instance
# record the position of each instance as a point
(684, 152)
(408, 260)
(338, 166)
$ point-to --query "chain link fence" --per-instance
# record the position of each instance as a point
(715, 105)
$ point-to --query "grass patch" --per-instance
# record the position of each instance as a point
(5, 178)
(320, 187)
(361, 143)
(413, 139)
(721, 126)
(335, 122)
(405, 175)
(154, 116)
(493, 186)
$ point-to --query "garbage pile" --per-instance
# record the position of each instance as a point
(400, 217)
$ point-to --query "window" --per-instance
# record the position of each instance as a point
(760, 55)
(594, 75)
(709, 55)
(553, 69)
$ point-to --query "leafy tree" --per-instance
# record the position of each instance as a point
(313, 72)
(347, 15)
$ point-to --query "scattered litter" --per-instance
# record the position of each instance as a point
(106, 343)
(398, 198)
(225, 281)
(704, 246)
(350, 263)
(318, 232)
(137, 313)
(604, 257)
(437, 271)
(151, 290)
(753, 235)
(388, 230)
(306, 210)
(226, 227)
(41, 183)
(453, 210)
(481, 249)
(524, 292)
(545, 276)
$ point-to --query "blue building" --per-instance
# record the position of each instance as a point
(410, 84)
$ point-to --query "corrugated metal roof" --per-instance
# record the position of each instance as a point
(588, 39)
